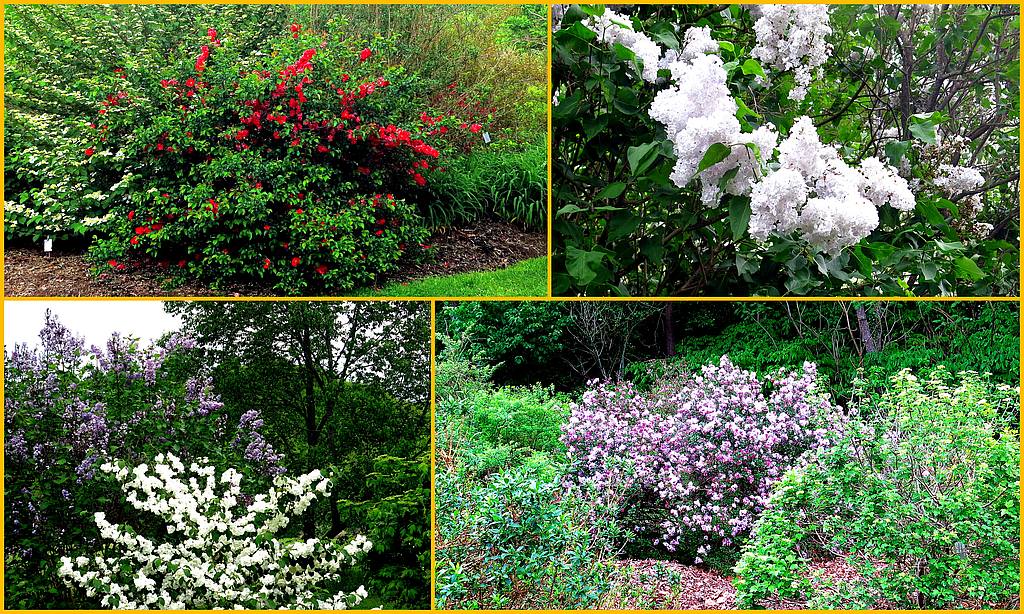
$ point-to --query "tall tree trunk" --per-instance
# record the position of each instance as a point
(668, 325)
(306, 345)
(866, 337)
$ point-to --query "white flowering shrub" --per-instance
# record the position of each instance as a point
(764, 150)
(212, 545)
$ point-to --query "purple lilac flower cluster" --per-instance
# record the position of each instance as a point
(256, 449)
(707, 447)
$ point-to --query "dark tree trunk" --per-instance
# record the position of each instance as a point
(668, 326)
(866, 337)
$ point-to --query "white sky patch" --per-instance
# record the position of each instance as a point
(94, 320)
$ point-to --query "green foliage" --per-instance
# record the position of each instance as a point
(504, 180)
(982, 337)
(524, 278)
(517, 335)
(396, 515)
(509, 535)
(919, 489)
(518, 542)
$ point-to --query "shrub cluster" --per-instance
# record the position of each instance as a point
(509, 535)
(919, 491)
(69, 410)
(700, 453)
(289, 166)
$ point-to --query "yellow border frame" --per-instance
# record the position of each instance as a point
(434, 300)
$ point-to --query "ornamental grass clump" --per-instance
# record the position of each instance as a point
(214, 545)
(697, 456)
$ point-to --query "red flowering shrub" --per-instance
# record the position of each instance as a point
(291, 166)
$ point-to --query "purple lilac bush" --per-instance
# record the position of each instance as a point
(700, 451)
(69, 409)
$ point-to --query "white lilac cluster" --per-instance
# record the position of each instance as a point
(698, 111)
(813, 191)
(218, 550)
(612, 28)
(953, 180)
(792, 37)
(816, 193)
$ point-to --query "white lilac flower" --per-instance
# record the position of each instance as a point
(775, 203)
(953, 180)
(612, 28)
(792, 37)
(836, 206)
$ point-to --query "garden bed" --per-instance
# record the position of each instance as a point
(482, 246)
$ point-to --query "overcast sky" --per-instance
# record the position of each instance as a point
(94, 320)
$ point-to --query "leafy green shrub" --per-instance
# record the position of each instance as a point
(522, 417)
(920, 492)
(505, 180)
(961, 336)
(519, 542)
(397, 520)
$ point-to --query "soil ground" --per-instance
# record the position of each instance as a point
(483, 246)
(666, 585)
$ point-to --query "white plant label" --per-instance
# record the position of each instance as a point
(47, 245)
(487, 137)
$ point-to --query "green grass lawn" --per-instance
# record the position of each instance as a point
(526, 278)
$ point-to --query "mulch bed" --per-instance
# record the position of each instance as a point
(483, 246)
(696, 588)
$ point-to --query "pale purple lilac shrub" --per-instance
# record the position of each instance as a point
(704, 449)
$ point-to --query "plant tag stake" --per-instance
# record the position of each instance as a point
(487, 137)
(47, 245)
(961, 549)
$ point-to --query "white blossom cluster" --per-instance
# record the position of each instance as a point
(218, 550)
(954, 180)
(698, 111)
(792, 37)
(816, 193)
(811, 191)
(612, 28)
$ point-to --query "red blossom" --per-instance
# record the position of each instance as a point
(365, 54)
(204, 54)
(89, 151)
(295, 261)
(322, 269)
(266, 263)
